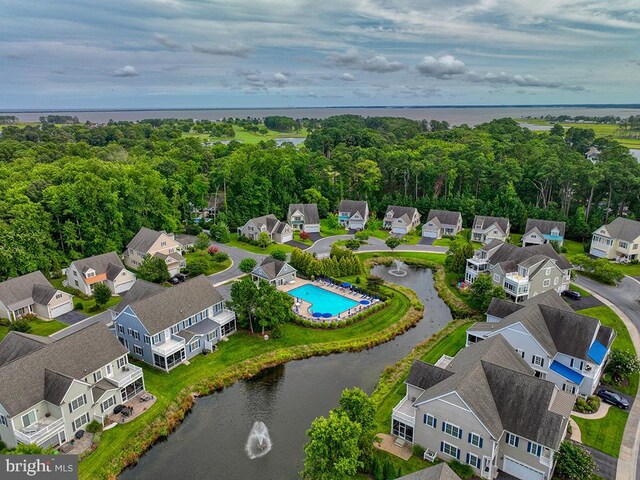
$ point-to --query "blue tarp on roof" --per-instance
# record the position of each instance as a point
(597, 352)
(566, 372)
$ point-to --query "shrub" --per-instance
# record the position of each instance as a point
(418, 450)
(279, 254)
(247, 264)
(101, 294)
(93, 427)
(212, 250)
(5, 322)
(621, 365)
(192, 229)
(574, 462)
(277, 332)
(197, 266)
(599, 269)
(20, 325)
(202, 241)
(465, 472)
(220, 257)
(352, 244)
(362, 235)
(3, 446)
(305, 236)
(78, 305)
(220, 232)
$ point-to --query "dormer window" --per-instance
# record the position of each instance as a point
(58, 296)
(163, 244)
(555, 232)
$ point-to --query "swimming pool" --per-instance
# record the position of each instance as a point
(323, 301)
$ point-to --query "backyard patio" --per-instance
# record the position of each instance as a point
(136, 406)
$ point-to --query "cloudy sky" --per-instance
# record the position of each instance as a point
(281, 53)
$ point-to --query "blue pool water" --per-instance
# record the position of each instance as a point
(323, 301)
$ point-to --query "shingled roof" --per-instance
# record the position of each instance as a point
(22, 291)
(482, 222)
(353, 206)
(25, 381)
(624, 229)
(510, 256)
(107, 263)
(309, 210)
(441, 471)
(271, 267)
(141, 289)
(171, 305)
(270, 222)
(445, 217)
(544, 226)
(399, 211)
(18, 344)
(501, 389)
(144, 239)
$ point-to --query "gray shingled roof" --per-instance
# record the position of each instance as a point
(624, 229)
(20, 290)
(510, 256)
(203, 327)
(353, 206)
(482, 222)
(144, 239)
(17, 344)
(270, 222)
(141, 289)
(22, 381)
(441, 471)
(55, 386)
(99, 388)
(309, 210)
(501, 389)
(184, 239)
(174, 304)
(43, 293)
(271, 267)
(501, 308)
(446, 217)
(399, 211)
(544, 226)
(108, 263)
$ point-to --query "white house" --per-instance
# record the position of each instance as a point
(618, 240)
(401, 220)
(32, 294)
(107, 268)
(304, 217)
(353, 214)
(486, 229)
(538, 232)
(158, 244)
(279, 232)
(276, 272)
(442, 223)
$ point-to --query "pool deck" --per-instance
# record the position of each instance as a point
(303, 308)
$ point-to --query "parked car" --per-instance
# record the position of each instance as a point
(613, 398)
(174, 281)
(572, 294)
(181, 276)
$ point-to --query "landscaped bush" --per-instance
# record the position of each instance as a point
(362, 235)
(334, 324)
(465, 472)
(21, 325)
(4, 322)
(220, 257)
(599, 269)
(304, 236)
(94, 427)
(279, 254)
(192, 229)
(590, 405)
(78, 305)
(418, 450)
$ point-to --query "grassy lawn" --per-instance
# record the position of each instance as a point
(448, 241)
(432, 257)
(413, 237)
(296, 237)
(622, 341)
(214, 267)
(43, 328)
(515, 238)
(246, 136)
(327, 231)
(241, 347)
(581, 291)
(88, 305)
(573, 248)
(234, 242)
(450, 345)
(606, 433)
(378, 233)
(628, 269)
(600, 129)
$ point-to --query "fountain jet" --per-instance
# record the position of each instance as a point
(259, 441)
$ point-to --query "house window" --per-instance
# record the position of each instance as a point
(76, 403)
(475, 440)
(211, 336)
(451, 429)
(3, 420)
(97, 376)
(512, 440)
(29, 418)
(195, 345)
(136, 335)
(80, 422)
(547, 271)
(121, 329)
(130, 331)
(577, 364)
(449, 449)
(623, 244)
(546, 282)
(430, 420)
(108, 403)
(121, 362)
(534, 449)
(75, 274)
(147, 339)
(137, 349)
(156, 339)
(163, 244)
(520, 352)
(566, 387)
(536, 360)
(473, 460)
(58, 296)
(76, 282)
(496, 278)
(555, 281)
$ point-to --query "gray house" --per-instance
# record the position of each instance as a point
(619, 240)
(442, 223)
(141, 289)
(353, 214)
(276, 272)
(523, 272)
(560, 345)
(279, 232)
(32, 294)
(50, 389)
(157, 244)
(485, 408)
(538, 232)
(175, 324)
(304, 217)
(107, 268)
(486, 229)
(401, 220)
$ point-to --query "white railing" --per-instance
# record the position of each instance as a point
(42, 434)
(124, 378)
(547, 461)
(405, 417)
(169, 346)
(225, 316)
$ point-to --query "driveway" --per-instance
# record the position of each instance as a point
(104, 317)
(607, 465)
(584, 302)
(295, 243)
(72, 317)
(426, 241)
(236, 255)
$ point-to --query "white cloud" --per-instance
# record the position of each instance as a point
(347, 77)
(440, 67)
(166, 41)
(280, 79)
(126, 71)
(238, 50)
(351, 58)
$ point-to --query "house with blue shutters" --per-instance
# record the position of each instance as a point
(560, 345)
(485, 408)
(167, 326)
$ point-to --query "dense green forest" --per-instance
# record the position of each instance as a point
(76, 190)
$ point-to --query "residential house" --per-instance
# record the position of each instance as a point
(486, 229)
(487, 409)
(32, 294)
(141, 289)
(50, 389)
(401, 220)
(560, 345)
(175, 324)
(523, 272)
(158, 244)
(279, 232)
(593, 154)
(353, 214)
(618, 240)
(442, 223)
(276, 272)
(304, 217)
(441, 471)
(107, 268)
(538, 232)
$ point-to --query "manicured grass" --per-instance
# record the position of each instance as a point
(606, 433)
(581, 291)
(448, 241)
(3, 332)
(240, 348)
(43, 328)
(234, 242)
(214, 267)
(378, 233)
(432, 257)
(403, 467)
(246, 136)
(450, 345)
(413, 237)
(629, 269)
(622, 342)
(88, 304)
(327, 231)
(515, 239)
(573, 248)
(296, 237)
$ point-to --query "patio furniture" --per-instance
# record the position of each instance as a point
(33, 428)
(145, 397)
(399, 442)
(429, 455)
(79, 434)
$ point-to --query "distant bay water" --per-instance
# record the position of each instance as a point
(455, 115)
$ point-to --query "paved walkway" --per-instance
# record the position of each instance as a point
(373, 245)
(387, 443)
(236, 255)
(624, 301)
(576, 434)
(601, 413)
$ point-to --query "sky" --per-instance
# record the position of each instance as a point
(78, 54)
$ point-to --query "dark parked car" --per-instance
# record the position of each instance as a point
(174, 281)
(181, 276)
(613, 399)
(572, 294)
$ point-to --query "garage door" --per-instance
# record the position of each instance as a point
(400, 230)
(123, 287)
(520, 470)
(287, 238)
(60, 309)
(429, 234)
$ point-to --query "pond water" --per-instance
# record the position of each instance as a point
(210, 443)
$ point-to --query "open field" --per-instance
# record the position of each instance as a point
(246, 136)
